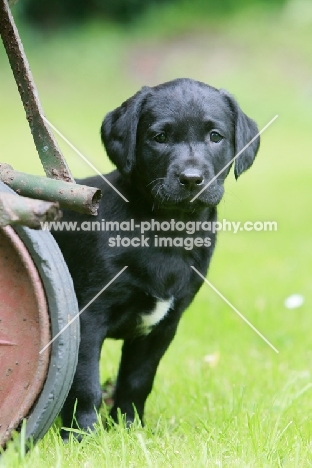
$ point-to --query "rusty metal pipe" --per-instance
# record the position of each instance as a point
(50, 155)
(26, 211)
(70, 196)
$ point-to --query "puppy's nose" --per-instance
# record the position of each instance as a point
(191, 178)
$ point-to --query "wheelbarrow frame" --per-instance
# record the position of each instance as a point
(56, 190)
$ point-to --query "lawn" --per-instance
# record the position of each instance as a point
(222, 396)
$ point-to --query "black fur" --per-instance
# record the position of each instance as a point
(159, 175)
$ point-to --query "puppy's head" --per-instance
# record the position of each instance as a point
(178, 138)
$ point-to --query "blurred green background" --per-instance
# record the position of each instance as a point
(87, 60)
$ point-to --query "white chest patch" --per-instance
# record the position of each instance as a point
(148, 321)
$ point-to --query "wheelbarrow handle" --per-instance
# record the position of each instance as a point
(50, 155)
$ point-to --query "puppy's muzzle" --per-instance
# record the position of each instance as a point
(191, 178)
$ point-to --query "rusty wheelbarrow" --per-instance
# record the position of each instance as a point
(39, 329)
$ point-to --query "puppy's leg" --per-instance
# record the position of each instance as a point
(85, 391)
(139, 362)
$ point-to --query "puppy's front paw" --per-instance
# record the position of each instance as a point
(127, 419)
(80, 426)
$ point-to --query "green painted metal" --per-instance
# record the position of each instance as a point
(51, 157)
(71, 196)
(26, 211)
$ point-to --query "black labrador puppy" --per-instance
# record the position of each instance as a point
(168, 142)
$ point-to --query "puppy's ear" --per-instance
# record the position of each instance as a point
(119, 131)
(245, 130)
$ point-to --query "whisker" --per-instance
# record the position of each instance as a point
(159, 178)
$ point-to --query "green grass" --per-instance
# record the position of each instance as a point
(247, 406)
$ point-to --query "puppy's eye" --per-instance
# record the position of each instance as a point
(161, 138)
(215, 137)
